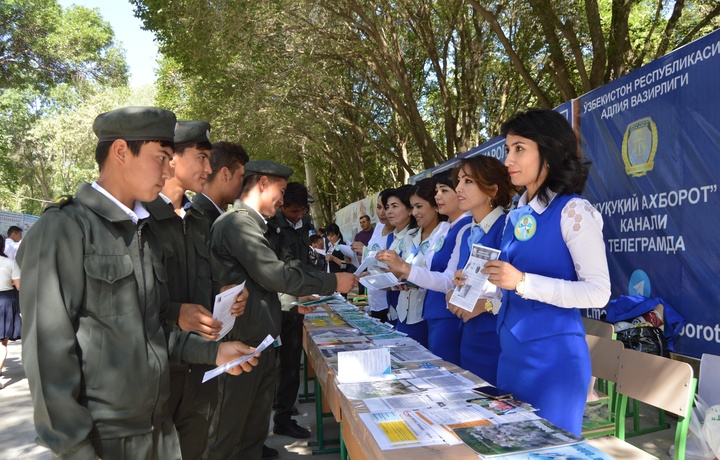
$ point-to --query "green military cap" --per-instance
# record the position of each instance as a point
(136, 124)
(267, 168)
(192, 132)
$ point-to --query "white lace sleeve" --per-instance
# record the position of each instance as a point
(581, 227)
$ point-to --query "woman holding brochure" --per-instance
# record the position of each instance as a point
(381, 238)
(444, 328)
(414, 247)
(552, 263)
(398, 212)
(484, 189)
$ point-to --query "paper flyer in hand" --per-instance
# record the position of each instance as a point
(221, 308)
(380, 281)
(475, 287)
(236, 362)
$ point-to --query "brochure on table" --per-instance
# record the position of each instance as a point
(364, 366)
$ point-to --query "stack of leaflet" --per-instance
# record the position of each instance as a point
(365, 324)
(322, 319)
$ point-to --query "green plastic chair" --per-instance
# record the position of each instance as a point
(659, 382)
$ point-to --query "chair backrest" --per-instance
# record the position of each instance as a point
(708, 388)
(605, 357)
(657, 381)
(598, 328)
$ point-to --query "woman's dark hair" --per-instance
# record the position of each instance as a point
(335, 229)
(382, 196)
(402, 193)
(558, 147)
(2, 246)
(446, 177)
(488, 172)
(425, 189)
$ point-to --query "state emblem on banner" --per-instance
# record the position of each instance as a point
(639, 147)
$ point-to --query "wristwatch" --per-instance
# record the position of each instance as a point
(488, 306)
(520, 287)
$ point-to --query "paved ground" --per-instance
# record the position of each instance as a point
(17, 434)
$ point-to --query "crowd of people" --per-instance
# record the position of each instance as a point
(526, 334)
(119, 283)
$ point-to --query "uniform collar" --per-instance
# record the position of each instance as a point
(252, 212)
(138, 212)
(535, 204)
(462, 216)
(489, 220)
(296, 226)
(202, 195)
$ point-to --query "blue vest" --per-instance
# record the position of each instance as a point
(544, 254)
(484, 322)
(435, 305)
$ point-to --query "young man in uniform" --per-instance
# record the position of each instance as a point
(288, 232)
(94, 349)
(227, 161)
(191, 402)
(240, 251)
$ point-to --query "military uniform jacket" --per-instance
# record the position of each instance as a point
(290, 243)
(94, 351)
(165, 222)
(240, 251)
(198, 223)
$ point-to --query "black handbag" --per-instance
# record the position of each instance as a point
(647, 339)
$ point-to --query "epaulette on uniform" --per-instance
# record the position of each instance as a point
(59, 202)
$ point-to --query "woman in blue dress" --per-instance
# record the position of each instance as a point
(484, 189)
(418, 253)
(552, 263)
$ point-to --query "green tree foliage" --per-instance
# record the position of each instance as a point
(368, 92)
(42, 44)
(60, 67)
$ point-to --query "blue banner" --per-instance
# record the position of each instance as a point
(654, 139)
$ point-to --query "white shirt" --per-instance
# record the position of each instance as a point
(442, 281)
(377, 298)
(138, 212)
(11, 248)
(410, 302)
(581, 226)
(9, 271)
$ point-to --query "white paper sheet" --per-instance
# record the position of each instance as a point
(364, 365)
(221, 309)
(235, 362)
(476, 284)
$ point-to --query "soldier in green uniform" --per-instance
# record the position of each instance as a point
(223, 186)
(289, 233)
(94, 350)
(191, 402)
(240, 251)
